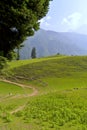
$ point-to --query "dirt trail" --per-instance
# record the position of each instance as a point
(34, 93)
(18, 109)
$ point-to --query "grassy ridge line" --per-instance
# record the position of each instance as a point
(15, 64)
(55, 67)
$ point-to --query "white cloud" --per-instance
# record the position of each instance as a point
(65, 21)
(48, 17)
(45, 21)
(47, 24)
(73, 21)
(42, 21)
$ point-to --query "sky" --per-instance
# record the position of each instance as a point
(66, 16)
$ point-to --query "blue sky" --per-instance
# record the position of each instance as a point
(66, 15)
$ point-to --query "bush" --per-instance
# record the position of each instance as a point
(7, 118)
(3, 62)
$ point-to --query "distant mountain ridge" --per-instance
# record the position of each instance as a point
(50, 43)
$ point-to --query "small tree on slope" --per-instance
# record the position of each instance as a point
(33, 52)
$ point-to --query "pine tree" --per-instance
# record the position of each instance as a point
(33, 53)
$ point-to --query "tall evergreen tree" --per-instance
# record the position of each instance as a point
(33, 52)
(19, 19)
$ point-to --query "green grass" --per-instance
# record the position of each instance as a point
(62, 100)
(11, 96)
(8, 88)
(55, 111)
(20, 63)
(67, 110)
(56, 70)
(66, 83)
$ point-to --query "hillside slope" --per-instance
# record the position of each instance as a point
(61, 102)
(43, 72)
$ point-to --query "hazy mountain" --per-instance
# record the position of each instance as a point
(82, 29)
(50, 43)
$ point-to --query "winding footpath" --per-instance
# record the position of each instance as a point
(34, 93)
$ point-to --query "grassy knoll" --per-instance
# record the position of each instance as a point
(62, 100)
(52, 73)
(20, 63)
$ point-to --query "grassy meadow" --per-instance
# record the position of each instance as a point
(61, 101)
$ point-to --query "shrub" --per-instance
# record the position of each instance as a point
(8, 117)
(3, 62)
